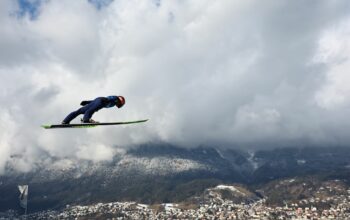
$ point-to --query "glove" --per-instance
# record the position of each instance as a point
(83, 103)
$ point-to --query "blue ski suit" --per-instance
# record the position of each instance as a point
(90, 107)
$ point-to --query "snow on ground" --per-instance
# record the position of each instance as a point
(254, 164)
(231, 188)
(160, 165)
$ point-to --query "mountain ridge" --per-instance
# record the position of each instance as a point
(166, 173)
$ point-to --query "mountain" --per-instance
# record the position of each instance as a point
(235, 193)
(305, 190)
(157, 173)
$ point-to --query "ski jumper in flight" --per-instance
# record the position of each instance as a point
(90, 107)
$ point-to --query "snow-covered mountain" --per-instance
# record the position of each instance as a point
(163, 173)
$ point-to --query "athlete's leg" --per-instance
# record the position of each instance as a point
(74, 114)
(93, 107)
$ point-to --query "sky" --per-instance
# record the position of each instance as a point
(228, 73)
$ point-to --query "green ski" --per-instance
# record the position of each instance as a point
(90, 125)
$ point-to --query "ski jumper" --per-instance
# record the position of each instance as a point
(90, 107)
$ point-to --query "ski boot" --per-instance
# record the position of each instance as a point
(90, 121)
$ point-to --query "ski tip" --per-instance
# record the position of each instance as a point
(140, 121)
(46, 126)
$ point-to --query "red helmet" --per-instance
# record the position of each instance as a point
(121, 101)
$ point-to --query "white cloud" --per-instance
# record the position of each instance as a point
(334, 50)
(96, 152)
(7, 135)
(234, 72)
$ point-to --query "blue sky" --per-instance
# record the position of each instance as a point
(32, 7)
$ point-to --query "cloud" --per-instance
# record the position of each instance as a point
(334, 48)
(7, 134)
(96, 152)
(232, 73)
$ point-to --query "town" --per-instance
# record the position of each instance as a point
(213, 208)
